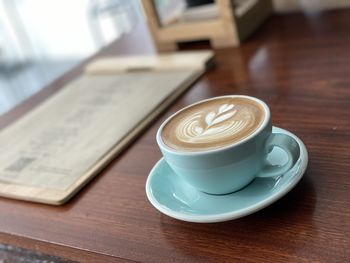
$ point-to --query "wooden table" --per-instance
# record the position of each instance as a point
(300, 65)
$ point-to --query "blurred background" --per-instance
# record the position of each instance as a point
(40, 40)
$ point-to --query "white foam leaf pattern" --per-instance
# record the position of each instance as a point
(225, 107)
(209, 118)
(216, 125)
(222, 108)
(198, 130)
(213, 130)
(224, 117)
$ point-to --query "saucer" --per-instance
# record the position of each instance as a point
(175, 198)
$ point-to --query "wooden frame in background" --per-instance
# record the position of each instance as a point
(229, 29)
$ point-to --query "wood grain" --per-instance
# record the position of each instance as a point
(299, 65)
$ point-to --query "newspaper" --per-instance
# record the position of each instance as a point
(57, 142)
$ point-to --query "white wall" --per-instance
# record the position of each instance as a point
(62, 28)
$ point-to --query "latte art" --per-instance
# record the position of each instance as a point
(208, 127)
(213, 124)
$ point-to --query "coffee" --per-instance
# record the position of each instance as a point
(213, 124)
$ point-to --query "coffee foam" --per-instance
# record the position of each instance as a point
(213, 124)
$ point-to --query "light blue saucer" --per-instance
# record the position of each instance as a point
(177, 199)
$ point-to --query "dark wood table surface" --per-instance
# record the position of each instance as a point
(300, 65)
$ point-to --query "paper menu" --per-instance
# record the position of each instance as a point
(52, 151)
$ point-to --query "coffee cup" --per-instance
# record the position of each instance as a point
(221, 144)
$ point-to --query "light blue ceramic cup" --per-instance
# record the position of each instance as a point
(231, 168)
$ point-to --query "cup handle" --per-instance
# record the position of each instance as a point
(287, 144)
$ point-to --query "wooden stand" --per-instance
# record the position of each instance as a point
(228, 29)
